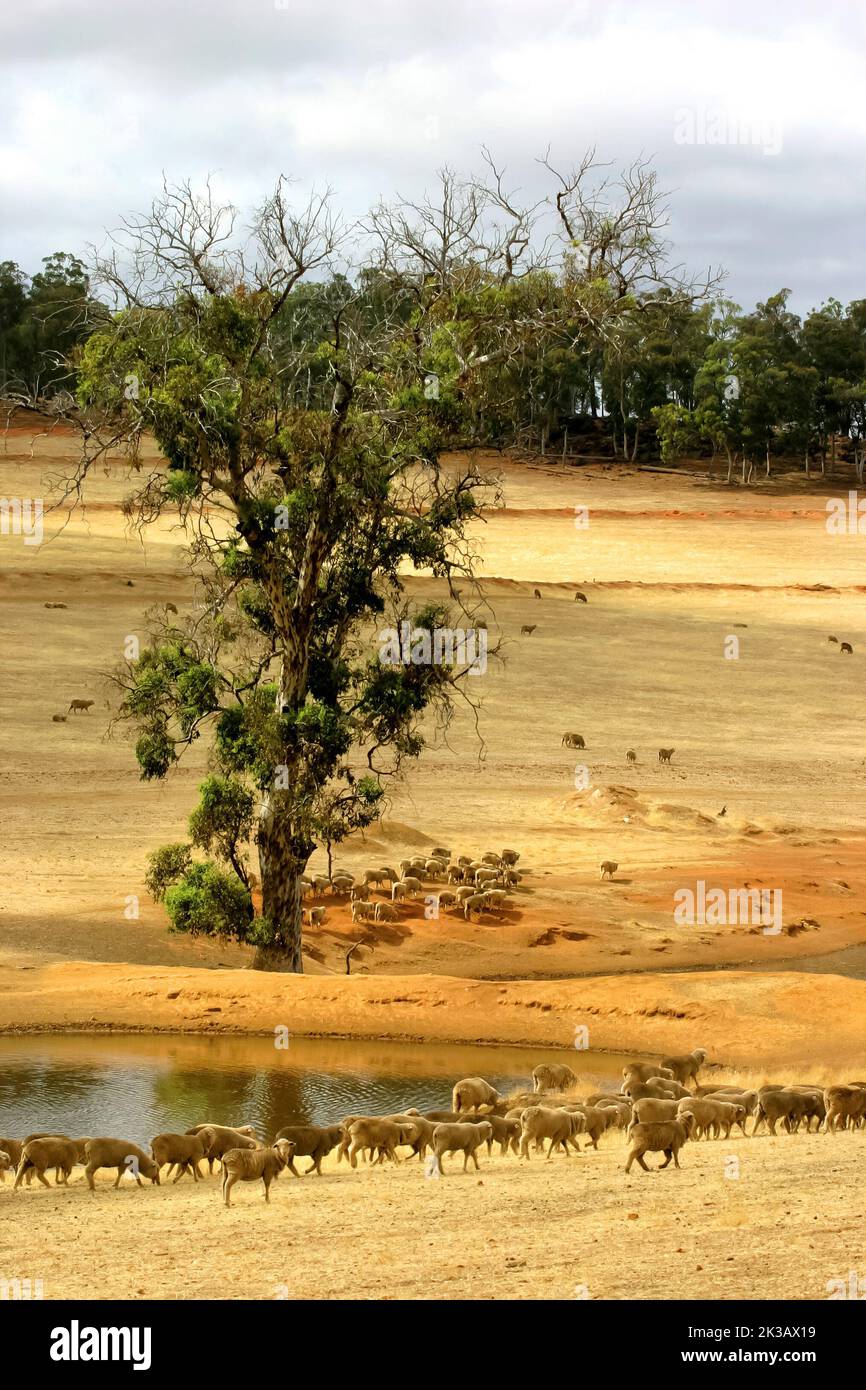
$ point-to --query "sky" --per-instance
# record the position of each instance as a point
(753, 114)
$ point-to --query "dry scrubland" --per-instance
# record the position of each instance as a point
(783, 1228)
(669, 565)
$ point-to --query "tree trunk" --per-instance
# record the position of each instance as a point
(281, 870)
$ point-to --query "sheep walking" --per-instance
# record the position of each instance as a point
(244, 1165)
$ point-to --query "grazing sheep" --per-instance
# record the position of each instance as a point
(492, 858)
(241, 1165)
(455, 873)
(310, 1141)
(538, 1123)
(413, 886)
(573, 741)
(439, 853)
(474, 904)
(80, 706)
(390, 874)
(685, 1068)
(385, 912)
(495, 899)
(528, 629)
(846, 647)
(342, 883)
(842, 1104)
(435, 869)
(510, 857)
(58, 719)
(467, 891)
(631, 756)
(471, 1093)
(117, 1153)
(321, 883)
(360, 893)
(40, 1153)
(316, 915)
(665, 755)
(54, 605)
(488, 875)
(832, 639)
(447, 899)
(579, 597)
(13, 1148)
(460, 1138)
(6, 1164)
(218, 1139)
(374, 877)
(184, 1150)
(667, 1137)
(609, 867)
(399, 892)
(552, 1076)
(537, 593)
(363, 912)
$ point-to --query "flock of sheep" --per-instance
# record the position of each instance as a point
(654, 1107)
(476, 886)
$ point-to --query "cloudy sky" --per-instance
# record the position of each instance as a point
(753, 113)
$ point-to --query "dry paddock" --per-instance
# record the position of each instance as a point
(789, 1223)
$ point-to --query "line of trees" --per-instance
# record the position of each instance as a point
(43, 319)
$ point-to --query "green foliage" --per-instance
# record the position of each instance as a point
(208, 902)
(165, 867)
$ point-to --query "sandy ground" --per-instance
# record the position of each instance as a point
(670, 566)
(743, 1219)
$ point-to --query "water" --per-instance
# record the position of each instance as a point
(138, 1086)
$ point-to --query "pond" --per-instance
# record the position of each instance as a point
(134, 1087)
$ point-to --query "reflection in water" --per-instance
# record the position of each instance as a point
(136, 1087)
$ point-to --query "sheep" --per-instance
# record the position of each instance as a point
(373, 877)
(80, 706)
(667, 1137)
(573, 741)
(650, 1111)
(342, 883)
(240, 1165)
(467, 891)
(685, 1068)
(439, 853)
(559, 1126)
(13, 1148)
(631, 756)
(447, 899)
(785, 1104)
(734, 1113)
(645, 1071)
(117, 1153)
(405, 867)
(363, 912)
(474, 904)
(420, 1128)
(472, 1093)
(842, 1103)
(491, 857)
(511, 878)
(495, 898)
(399, 892)
(58, 719)
(506, 1133)
(52, 1151)
(552, 1076)
(310, 1141)
(6, 1164)
(536, 593)
(390, 874)
(316, 915)
(455, 873)
(463, 860)
(748, 1099)
(665, 755)
(411, 885)
(385, 912)
(435, 869)
(321, 883)
(378, 1135)
(579, 597)
(218, 1139)
(184, 1150)
(460, 1138)
(597, 1119)
(483, 876)
(846, 647)
(709, 1115)
(609, 867)
(655, 1090)
(528, 629)
(621, 1108)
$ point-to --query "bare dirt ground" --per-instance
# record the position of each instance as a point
(756, 1218)
(672, 567)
